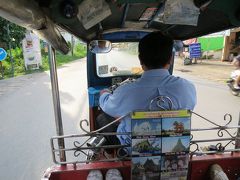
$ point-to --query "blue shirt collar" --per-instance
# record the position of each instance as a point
(156, 72)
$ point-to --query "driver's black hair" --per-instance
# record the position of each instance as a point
(155, 50)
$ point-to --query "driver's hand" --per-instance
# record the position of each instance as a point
(104, 91)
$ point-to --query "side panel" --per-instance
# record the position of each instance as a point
(199, 166)
(80, 172)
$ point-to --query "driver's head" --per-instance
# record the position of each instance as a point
(155, 50)
(102, 43)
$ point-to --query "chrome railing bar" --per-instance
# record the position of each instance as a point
(214, 152)
(88, 148)
(56, 100)
(237, 141)
(216, 128)
(212, 140)
(129, 158)
(87, 135)
(102, 128)
(205, 119)
(89, 161)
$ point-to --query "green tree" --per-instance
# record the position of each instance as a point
(16, 34)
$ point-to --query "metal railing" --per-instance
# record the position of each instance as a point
(226, 140)
(90, 151)
(79, 146)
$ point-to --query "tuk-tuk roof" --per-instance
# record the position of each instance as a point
(71, 15)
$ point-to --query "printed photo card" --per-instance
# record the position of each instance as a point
(174, 175)
(160, 145)
(146, 127)
(146, 168)
(146, 146)
(174, 167)
(176, 126)
(175, 145)
(174, 162)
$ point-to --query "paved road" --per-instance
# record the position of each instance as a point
(213, 102)
(27, 122)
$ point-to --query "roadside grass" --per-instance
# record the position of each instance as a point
(19, 68)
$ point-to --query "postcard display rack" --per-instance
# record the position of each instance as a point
(160, 145)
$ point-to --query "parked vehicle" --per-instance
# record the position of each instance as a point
(234, 91)
(120, 24)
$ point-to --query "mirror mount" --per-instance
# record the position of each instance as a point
(100, 46)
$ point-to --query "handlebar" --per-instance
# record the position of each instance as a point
(115, 86)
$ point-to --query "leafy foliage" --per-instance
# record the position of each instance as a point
(19, 68)
(16, 34)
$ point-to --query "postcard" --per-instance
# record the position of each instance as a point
(174, 175)
(146, 146)
(146, 127)
(174, 162)
(176, 126)
(174, 167)
(175, 144)
(146, 168)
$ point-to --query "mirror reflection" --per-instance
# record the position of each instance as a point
(100, 46)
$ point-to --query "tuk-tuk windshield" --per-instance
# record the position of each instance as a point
(122, 60)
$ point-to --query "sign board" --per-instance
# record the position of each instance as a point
(3, 54)
(160, 144)
(182, 12)
(92, 12)
(195, 50)
(32, 51)
(148, 14)
(190, 41)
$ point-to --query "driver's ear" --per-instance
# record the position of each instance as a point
(170, 61)
(139, 57)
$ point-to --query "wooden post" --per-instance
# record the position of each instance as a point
(226, 49)
(228, 43)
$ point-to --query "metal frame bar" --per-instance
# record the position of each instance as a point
(79, 147)
(56, 101)
(148, 24)
(124, 15)
(237, 141)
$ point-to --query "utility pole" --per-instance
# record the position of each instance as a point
(1, 67)
(72, 44)
(10, 51)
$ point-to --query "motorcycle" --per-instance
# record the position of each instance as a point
(234, 91)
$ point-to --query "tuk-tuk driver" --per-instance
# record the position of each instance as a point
(155, 54)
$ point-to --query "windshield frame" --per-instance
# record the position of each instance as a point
(127, 75)
(93, 79)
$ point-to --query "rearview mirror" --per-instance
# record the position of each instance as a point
(100, 46)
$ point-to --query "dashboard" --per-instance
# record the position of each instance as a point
(94, 92)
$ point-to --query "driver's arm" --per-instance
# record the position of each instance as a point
(110, 103)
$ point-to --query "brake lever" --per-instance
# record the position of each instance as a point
(115, 86)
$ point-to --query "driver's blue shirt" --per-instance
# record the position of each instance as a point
(138, 95)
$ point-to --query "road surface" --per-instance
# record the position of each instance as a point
(27, 121)
(214, 100)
